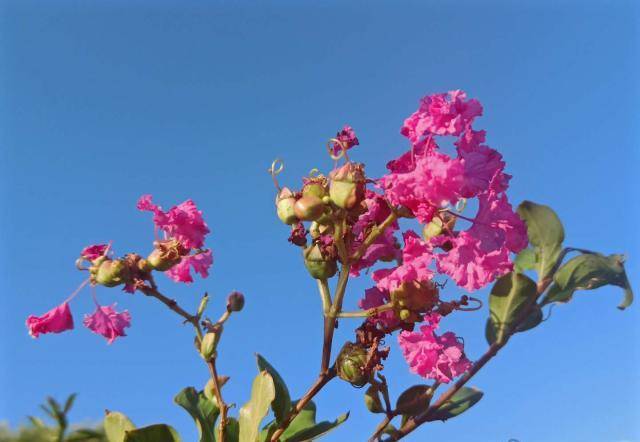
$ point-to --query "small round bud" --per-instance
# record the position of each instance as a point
(309, 208)
(315, 186)
(351, 365)
(317, 264)
(347, 188)
(284, 206)
(235, 302)
(412, 299)
(110, 273)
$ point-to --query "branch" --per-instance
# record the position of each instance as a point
(373, 235)
(218, 394)
(330, 319)
(366, 313)
(171, 303)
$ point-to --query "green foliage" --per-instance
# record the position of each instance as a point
(39, 431)
(414, 400)
(588, 272)
(460, 402)
(251, 414)
(203, 411)
(153, 433)
(282, 402)
(303, 427)
(116, 426)
(546, 234)
(510, 296)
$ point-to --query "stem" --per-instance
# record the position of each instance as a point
(373, 235)
(380, 429)
(218, 394)
(171, 303)
(322, 380)
(366, 313)
(331, 318)
(325, 295)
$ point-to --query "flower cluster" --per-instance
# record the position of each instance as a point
(179, 250)
(354, 222)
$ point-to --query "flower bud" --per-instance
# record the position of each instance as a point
(315, 186)
(351, 365)
(208, 345)
(347, 188)
(235, 302)
(412, 299)
(316, 229)
(309, 208)
(110, 273)
(319, 266)
(443, 222)
(166, 254)
(284, 206)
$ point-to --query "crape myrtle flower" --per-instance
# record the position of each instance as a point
(106, 321)
(431, 356)
(346, 139)
(56, 320)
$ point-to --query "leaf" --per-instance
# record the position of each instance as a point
(318, 430)
(282, 403)
(303, 427)
(116, 425)
(545, 232)
(589, 272)
(69, 403)
(203, 411)
(460, 402)
(525, 260)
(510, 295)
(153, 433)
(532, 320)
(414, 400)
(251, 414)
(232, 433)
(85, 435)
(372, 400)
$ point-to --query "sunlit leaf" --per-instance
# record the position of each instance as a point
(282, 402)
(203, 411)
(251, 414)
(460, 402)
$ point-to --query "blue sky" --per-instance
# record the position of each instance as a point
(103, 101)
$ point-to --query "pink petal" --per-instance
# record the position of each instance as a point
(56, 320)
(106, 321)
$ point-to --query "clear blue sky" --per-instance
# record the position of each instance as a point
(103, 101)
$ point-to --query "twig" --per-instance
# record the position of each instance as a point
(211, 363)
(366, 313)
(373, 235)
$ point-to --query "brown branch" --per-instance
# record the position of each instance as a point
(171, 303)
(322, 380)
(211, 363)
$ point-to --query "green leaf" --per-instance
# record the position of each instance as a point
(525, 260)
(251, 414)
(318, 430)
(414, 400)
(532, 320)
(116, 425)
(203, 411)
(282, 403)
(372, 400)
(510, 295)
(589, 272)
(69, 403)
(460, 402)
(85, 435)
(303, 427)
(232, 433)
(545, 233)
(153, 433)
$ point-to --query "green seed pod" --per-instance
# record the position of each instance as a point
(165, 255)
(309, 208)
(347, 186)
(315, 186)
(318, 266)
(111, 273)
(351, 365)
(208, 345)
(413, 298)
(284, 206)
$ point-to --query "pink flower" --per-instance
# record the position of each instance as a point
(94, 251)
(441, 114)
(200, 262)
(374, 297)
(183, 222)
(482, 165)
(56, 320)
(106, 321)
(482, 253)
(431, 356)
(435, 180)
(347, 137)
(385, 247)
(416, 258)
